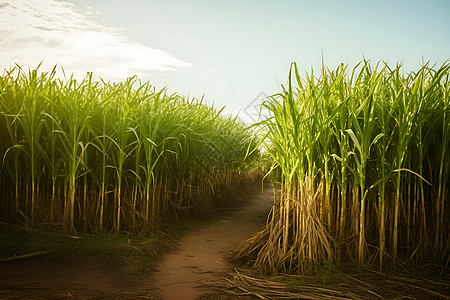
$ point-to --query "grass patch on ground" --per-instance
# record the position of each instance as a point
(112, 251)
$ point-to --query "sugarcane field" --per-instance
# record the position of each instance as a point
(356, 161)
(116, 185)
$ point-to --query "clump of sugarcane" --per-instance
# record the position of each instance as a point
(94, 155)
(360, 169)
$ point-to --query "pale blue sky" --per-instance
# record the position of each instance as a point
(233, 50)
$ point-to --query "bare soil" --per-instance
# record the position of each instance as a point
(196, 259)
(200, 256)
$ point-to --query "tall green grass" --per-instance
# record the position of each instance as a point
(361, 169)
(95, 155)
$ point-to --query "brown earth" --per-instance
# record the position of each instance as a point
(196, 259)
(200, 256)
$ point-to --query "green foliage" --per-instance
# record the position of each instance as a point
(94, 155)
(361, 160)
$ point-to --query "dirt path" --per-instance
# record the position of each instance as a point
(199, 258)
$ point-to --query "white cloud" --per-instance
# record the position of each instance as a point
(56, 33)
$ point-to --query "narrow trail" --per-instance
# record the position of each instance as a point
(199, 258)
